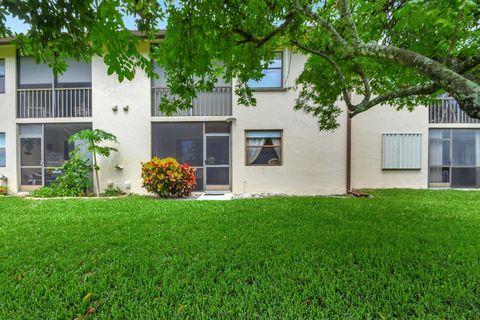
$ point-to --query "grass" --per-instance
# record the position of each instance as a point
(403, 254)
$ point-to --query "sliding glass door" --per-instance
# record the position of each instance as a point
(203, 145)
(43, 150)
(454, 158)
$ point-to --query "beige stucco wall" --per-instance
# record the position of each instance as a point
(314, 162)
(367, 130)
(7, 117)
(132, 127)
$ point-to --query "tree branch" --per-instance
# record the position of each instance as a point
(465, 91)
(322, 22)
(366, 82)
(402, 93)
(467, 64)
(336, 67)
(347, 16)
(261, 41)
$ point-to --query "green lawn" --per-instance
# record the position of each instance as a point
(403, 254)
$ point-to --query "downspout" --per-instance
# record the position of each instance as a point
(349, 153)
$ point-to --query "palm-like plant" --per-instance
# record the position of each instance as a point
(93, 139)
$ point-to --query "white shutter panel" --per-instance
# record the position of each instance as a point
(402, 151)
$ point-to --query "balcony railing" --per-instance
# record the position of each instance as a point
(54, 103)
(215, 103)
(447, 110)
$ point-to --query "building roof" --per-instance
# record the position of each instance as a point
(160, 35)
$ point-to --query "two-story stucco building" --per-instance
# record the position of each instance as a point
(269, 148)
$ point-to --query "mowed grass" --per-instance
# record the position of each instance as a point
(403, 254)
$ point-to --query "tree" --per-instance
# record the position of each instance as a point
(400, 52)
(93, 139)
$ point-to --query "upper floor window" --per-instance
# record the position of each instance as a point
(2, 75)
(272, 76)
(40, 75)
(263, 147)
(2, 150)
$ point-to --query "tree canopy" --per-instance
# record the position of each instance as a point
(400, 52)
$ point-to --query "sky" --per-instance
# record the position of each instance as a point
(17, 26)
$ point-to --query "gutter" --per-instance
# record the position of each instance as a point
(349, 154)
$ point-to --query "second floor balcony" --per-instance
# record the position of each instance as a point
(215, 103)
(54, 103)
(42, 94)
(447, 110)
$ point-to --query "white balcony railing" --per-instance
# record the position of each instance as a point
(215, 103)
(54, 103)
(447, 110)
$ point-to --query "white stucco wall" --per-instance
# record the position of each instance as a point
(132, 127)
(314, 162)
(7, 117)
(367, 130)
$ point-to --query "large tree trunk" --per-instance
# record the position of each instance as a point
(465, 91)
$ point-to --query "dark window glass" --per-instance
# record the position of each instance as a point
(218, 150)
(465, 145)
(217, 127)
(57, 147)
(182, 141)
(219, 176)
(465, 177)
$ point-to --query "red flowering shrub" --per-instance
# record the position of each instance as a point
(167, 178)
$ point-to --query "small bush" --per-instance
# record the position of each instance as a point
(113, 191)
(76, 175)
(167, 178)
(73, 182)
(3, 191)
(52, 191)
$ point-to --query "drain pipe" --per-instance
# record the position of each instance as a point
(349, 153)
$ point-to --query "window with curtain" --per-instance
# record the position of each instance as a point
(272, 76)
(2, 75)
(263, 148)
(2, 150)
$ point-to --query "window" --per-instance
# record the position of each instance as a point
(272, 76)
(402, 151)
(2, 150)
(2, 75)
(263, 147)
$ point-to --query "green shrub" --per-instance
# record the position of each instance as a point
(76, 175)
(74, 181)
(52, 191)
(167, 178)
(113, 191)
(3, 191)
